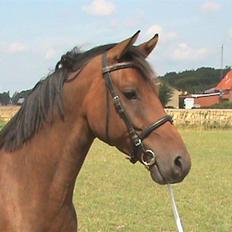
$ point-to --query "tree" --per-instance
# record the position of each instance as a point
(5, 98)
(194, 81)
(17, 95)
(165, 93)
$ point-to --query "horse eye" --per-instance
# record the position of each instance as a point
(130, 94)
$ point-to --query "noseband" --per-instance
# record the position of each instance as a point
(140, 151)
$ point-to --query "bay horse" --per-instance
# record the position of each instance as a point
(109, 92)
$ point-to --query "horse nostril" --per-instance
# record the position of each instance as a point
(178, 167)
(178, 162)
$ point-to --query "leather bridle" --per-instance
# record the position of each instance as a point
(140, 151)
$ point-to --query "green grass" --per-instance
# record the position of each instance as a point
(1, 124)
(113, 195)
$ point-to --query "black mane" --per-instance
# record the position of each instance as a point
(46, 97)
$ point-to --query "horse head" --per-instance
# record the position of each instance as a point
(124, 110)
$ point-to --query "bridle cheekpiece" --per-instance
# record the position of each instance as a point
(140, 151)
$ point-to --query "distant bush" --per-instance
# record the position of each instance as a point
(17, 95)
(224, 105)
(165, 93)
(5, 98)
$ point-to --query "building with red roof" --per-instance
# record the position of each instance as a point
(225, 87)
(222, 92)
(225, 83)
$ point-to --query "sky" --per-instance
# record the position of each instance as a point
(35, 33)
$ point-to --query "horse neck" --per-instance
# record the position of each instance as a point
(58, 151)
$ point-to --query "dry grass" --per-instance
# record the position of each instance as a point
(7, 112)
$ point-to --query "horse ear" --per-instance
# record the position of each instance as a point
(121, 48)
(147, 47)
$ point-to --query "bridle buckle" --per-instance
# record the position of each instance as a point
(138, 142)
(116, 98)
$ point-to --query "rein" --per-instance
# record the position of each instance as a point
(140, 152)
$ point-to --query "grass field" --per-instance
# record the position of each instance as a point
(113, 195)
(1, 124)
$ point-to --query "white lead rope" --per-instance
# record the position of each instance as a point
(175, 211)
